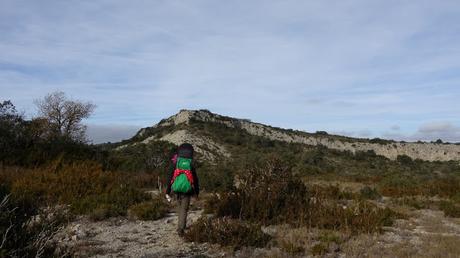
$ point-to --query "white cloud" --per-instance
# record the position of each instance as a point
(335, 65)
(431, 131)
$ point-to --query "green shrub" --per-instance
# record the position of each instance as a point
(21, 234)
(85, 186)
(215, 177)
(319, 249)
(270, 194)
(357, 217)
(227, 232)
(450, 209)
(369, 193)
(330, 192)
(103, 211)
(290, 247)
(149, 210)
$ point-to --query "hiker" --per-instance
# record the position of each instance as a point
(183, 181)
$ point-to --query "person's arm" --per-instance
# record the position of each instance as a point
(196, 185)
(170, 176)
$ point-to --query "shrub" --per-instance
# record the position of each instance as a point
(218, 177)
(291, 247)
(224, 204)
(116, 201)
(319, 249)
(103, 211)
(450, 209)
(25, 230)
(398, 186)
(395, 186)
(228, 232)
(330, 192)
(269, 194)
(358, 217)
(85, 186)
(149, 210)
(369, 193)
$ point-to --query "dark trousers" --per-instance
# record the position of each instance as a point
(183, 201)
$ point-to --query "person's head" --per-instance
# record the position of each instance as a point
(185, 150)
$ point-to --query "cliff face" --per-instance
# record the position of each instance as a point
(389, 149)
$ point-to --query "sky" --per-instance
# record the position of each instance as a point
(388, 69)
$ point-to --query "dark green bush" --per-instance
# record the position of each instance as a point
(357, 217)
(85, 186)
(228, 232)
(269, 194)
(216, 177)
(450, 209)
(319, 249)
(369, 193)
(21, 233)
(149, 210)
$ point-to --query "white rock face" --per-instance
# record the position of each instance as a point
(184, 116)
(203, 145)
(424, 151)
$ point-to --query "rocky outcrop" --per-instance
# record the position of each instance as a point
(391, 150)
(208, 148)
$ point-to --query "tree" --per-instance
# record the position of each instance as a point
(64, 116)
(12, 130)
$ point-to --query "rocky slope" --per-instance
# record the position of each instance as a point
(211, 149)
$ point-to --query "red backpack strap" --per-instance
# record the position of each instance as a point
(187, 173)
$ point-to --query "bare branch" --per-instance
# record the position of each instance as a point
(64, 116)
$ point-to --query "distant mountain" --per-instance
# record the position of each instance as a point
(215, 136)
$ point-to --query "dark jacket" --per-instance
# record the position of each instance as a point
(196, 185)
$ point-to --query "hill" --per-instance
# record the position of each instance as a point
(216, 136)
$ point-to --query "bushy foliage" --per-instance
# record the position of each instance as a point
(228, 232)
(28, 142)
(450, 208)
(150, 158)
(403, 176)
(270, 194)
(150, 210)
(398, 186)
(368, 192)
(25, 230)
(216, 177)
(83, 185)
(357, 217)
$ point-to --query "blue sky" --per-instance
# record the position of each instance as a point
(386, 69)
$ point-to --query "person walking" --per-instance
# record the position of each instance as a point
(183, 182)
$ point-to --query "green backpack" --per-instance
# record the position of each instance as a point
(182, 178)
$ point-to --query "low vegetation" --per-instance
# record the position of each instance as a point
(26, 229)
(292, 202)
(149, 210)
(227, 231)
(450, 208)
(42, 168)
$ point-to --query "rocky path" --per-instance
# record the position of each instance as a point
(120, 237)
(425, 233)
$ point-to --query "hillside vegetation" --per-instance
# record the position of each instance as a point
(255, 181)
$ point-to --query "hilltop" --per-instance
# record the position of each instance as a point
(205, 129)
